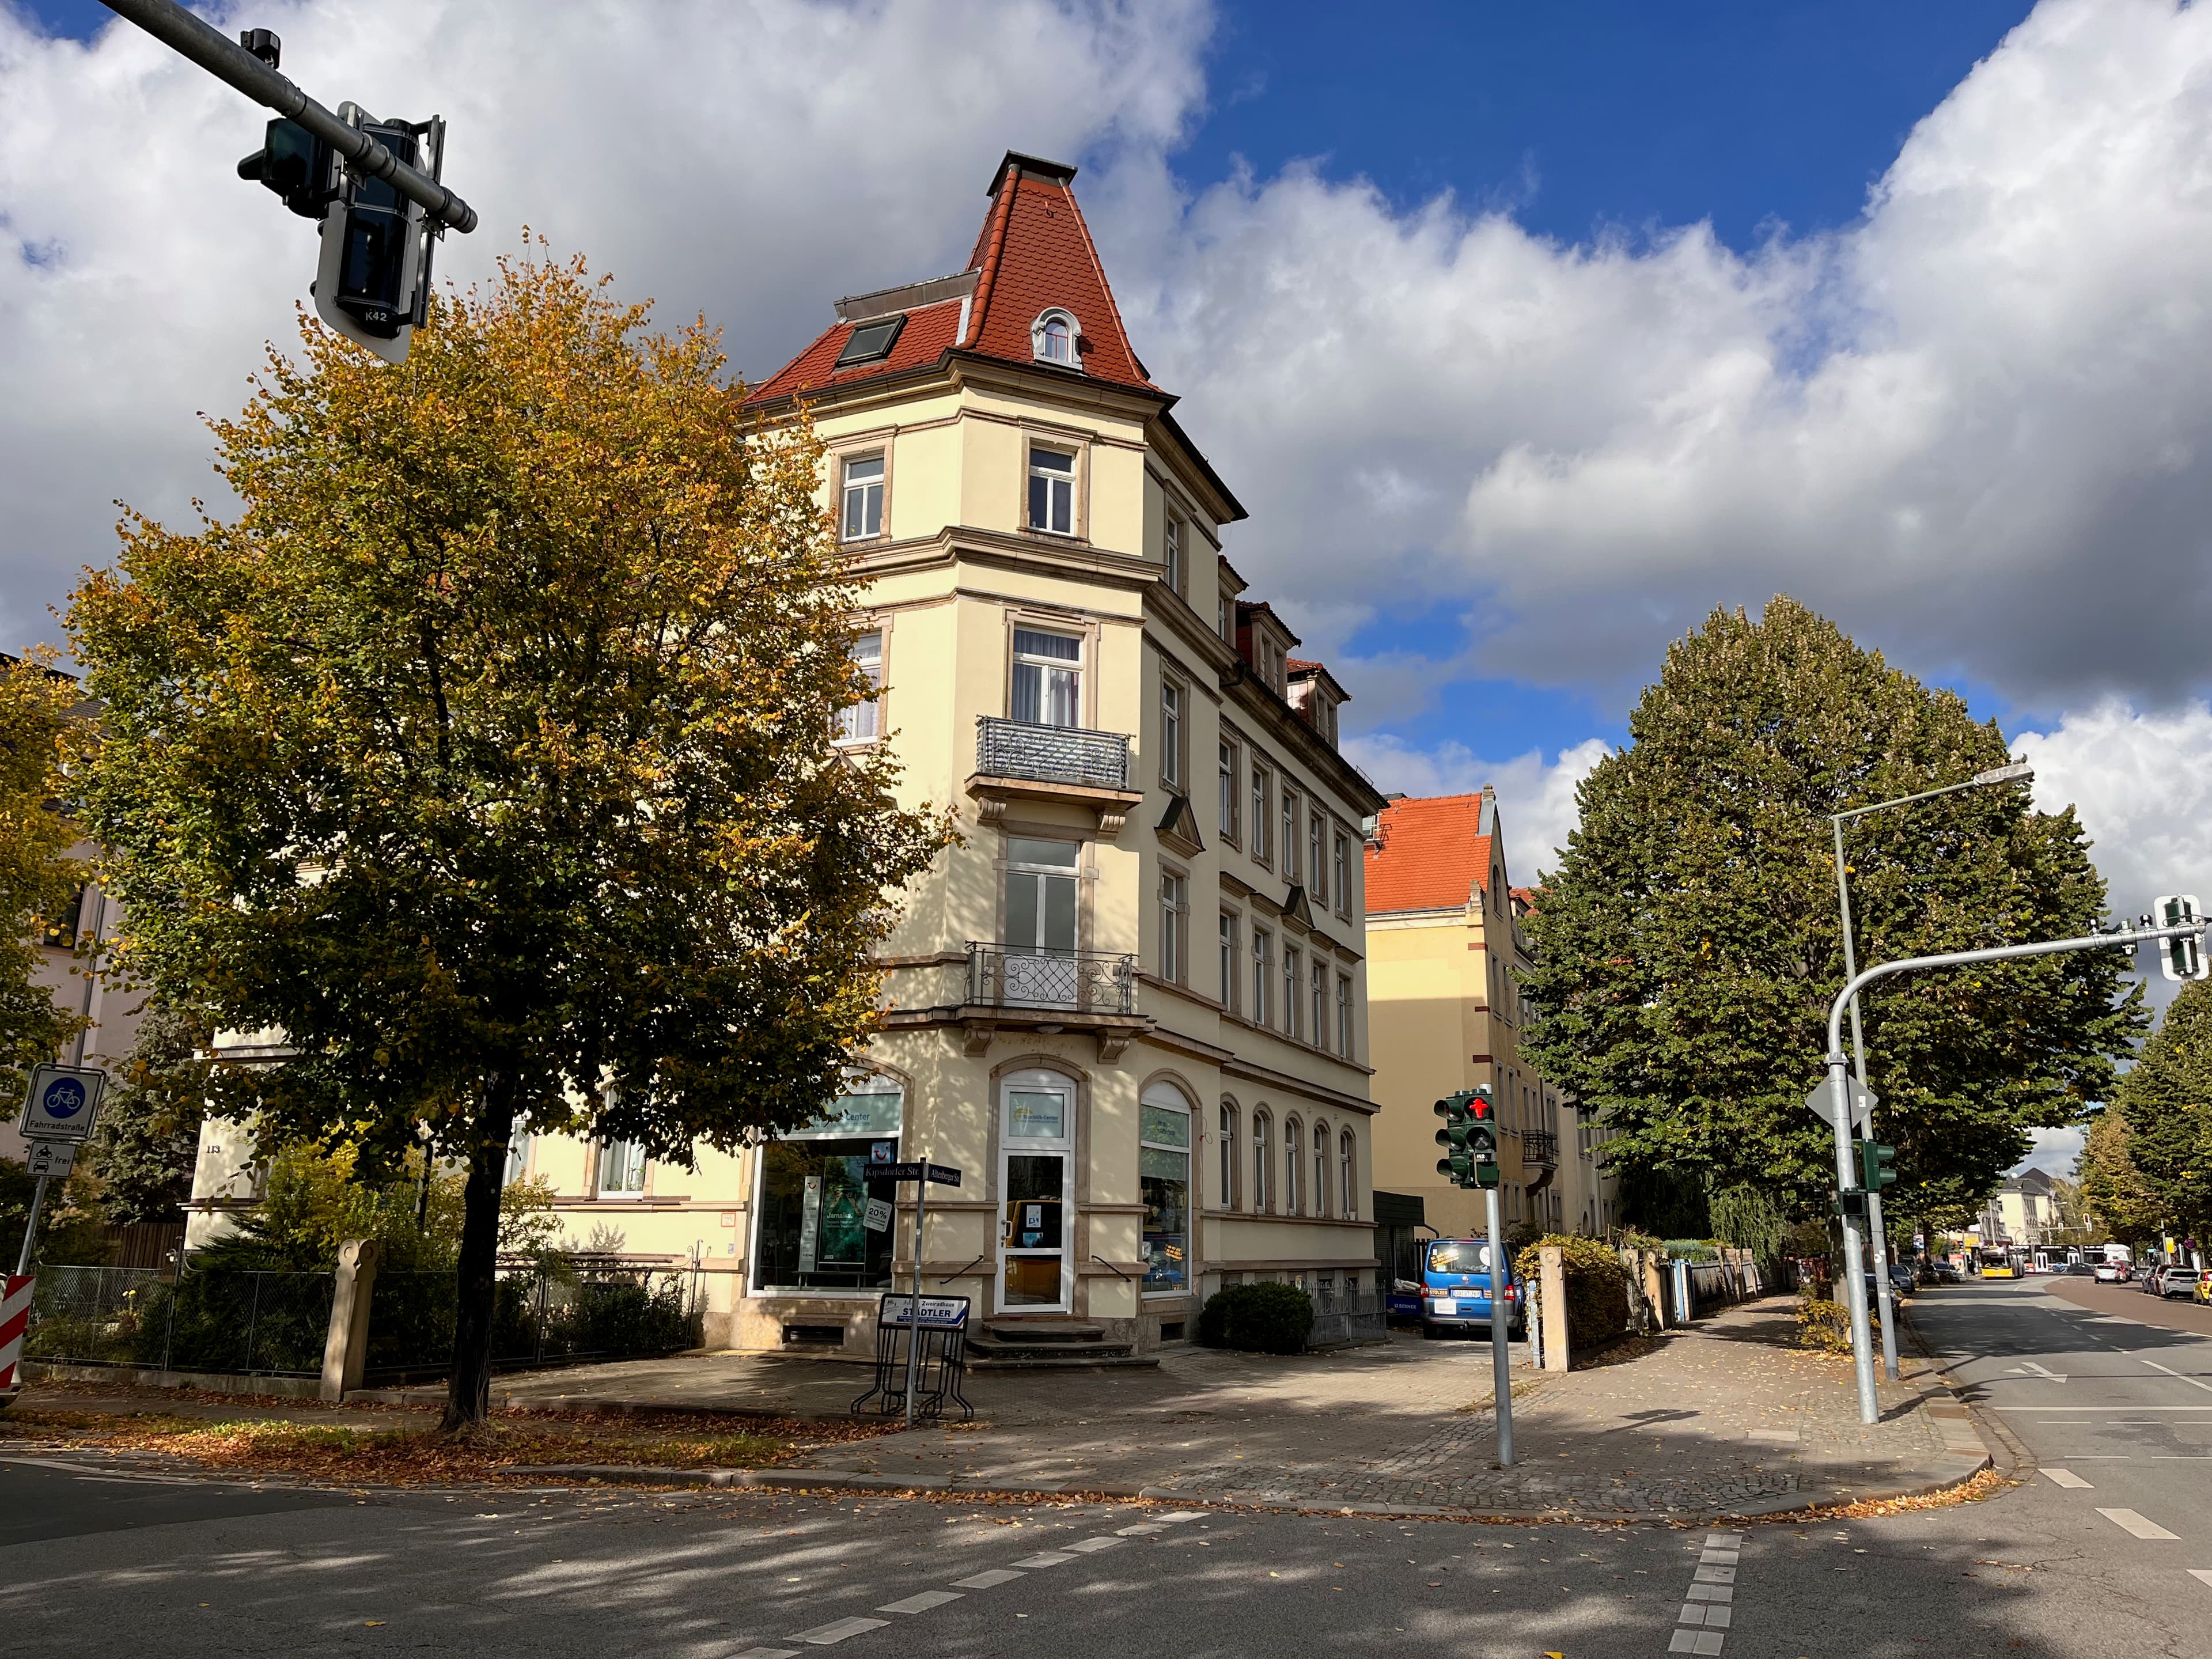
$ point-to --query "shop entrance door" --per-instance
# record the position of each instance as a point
(1036, 1161)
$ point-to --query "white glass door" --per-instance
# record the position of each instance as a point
(1036, 1142)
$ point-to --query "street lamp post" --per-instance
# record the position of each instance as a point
(1886, 1298)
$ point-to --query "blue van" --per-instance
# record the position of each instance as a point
(1455, 1289)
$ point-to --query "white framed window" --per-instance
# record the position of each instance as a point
(622, 1170)
(1227, 778)
(1171, 708)
(1221, 616)
(1262, 790)
(1342, 872)
(1321, 1169)
(864, 497)
(1053, 337)
(1229, 1142)
(1292, 1001)
(1290, 836)
(1262, 1162)
(517, 1158)
(1171, 554)
(1174, 909)
(1228, 962)
(1344, 1016)
(1320, 1003)
(1041, 890)
(810, 1194)
(1293, 1153)
(1047, 678)
(863, 721)
(1316, 872)
(1263, 962)
(1163, 1127)
(1052, 490)
(1348, 1183)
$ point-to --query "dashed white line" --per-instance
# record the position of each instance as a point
(822, 1636)
(1048, 1558)
(1706, 1612)
(2067, 1478)
(922, 1602)
(990, 1580)
(2193, 1382)
(1092, 1545)
(2202, 1575)
(2129, 1521)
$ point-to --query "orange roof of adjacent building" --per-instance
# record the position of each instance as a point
(1033, 254)
(1427, 854)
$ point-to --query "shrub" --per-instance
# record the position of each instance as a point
(1597, 1287)
(1257, 1319)
(1823, 1324)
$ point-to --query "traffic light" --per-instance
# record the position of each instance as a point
(1469, 1137)
(2182, 957)
(298, 166)
(1877, 1165)
(374, 283)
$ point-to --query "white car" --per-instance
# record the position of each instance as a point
(2111, 1272)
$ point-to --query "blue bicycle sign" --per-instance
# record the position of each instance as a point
(61, 1103)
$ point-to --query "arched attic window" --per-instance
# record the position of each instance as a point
(1053, 337)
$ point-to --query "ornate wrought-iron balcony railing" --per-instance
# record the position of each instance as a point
(1025, 976)
(1539, 1146)
(1051, 754)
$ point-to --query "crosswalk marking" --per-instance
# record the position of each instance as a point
(2202, 1575)
(2129, 1521)
(2067, 1478)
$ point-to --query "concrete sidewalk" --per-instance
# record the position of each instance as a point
(1722, 1419)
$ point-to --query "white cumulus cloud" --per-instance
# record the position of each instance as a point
(1536, 797)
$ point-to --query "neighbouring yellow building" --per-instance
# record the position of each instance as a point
(1131, 1008)
(1446, 953)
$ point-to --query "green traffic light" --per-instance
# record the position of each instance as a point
(1877, 1166)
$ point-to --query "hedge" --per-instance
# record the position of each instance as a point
(1257, 1319)
(1597, 1288)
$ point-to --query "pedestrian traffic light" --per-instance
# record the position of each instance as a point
(2182, 957)
(298, 166)
(1470, 1138)
(1877, 1166)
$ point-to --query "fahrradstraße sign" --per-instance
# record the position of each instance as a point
(61, 1102)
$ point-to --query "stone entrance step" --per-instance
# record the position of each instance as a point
(1038, 1344)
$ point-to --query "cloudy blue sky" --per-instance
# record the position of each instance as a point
(1528, 334)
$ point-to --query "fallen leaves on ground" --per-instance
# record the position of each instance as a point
(414, 1454)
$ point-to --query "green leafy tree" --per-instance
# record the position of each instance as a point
(487, 753)
(147, 1138)
(37, 879)
(1688, 946)
(2165, 1102)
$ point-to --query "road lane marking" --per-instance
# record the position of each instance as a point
(2202, 1575)
(822, 1636)
(2104, 1408)
(920, 1603)
(1048, 1558)
(991, 1580)
(2134, 1524)
(2067, 1478)
(2193, 1382)
(1087, 1546)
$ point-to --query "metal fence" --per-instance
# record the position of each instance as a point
(1084, 982)
(1051, 754)
(1342, 1316)
(246, 1322)
(555, 1314)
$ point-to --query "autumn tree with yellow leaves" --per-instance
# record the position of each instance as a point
(487, 753)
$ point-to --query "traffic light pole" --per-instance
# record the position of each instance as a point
(1839, 1096)
(1501, 1322)
(223, 58)
(1884, 1298)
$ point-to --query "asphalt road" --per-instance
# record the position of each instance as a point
(108, 1566)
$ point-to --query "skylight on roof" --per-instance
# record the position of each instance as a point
(871, 341)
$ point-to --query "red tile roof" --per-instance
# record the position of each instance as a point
(1034, 254)
(1427, 855)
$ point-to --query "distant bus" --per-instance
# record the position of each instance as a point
(1993, 1262)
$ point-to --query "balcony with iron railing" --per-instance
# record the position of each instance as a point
(1023, 760)
(1540, 1146)
(1025, 977)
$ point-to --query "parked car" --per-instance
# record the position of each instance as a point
(2178, 1280)
(2111, 1272)
(1902, 1279)
(1947, 1272)
(2200, 1290)
(1455, 1289)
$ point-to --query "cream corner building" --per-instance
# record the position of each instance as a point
(1447, 951)
(1131, 1007)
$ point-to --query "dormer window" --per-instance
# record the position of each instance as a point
(1051, 339)
(871, 341)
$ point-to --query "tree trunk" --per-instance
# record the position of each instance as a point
(468, 1403)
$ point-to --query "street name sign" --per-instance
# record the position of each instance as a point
(61, 1103)
(942, 1174)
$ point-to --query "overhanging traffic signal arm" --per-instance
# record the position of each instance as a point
(376, 185)
(2182, 957)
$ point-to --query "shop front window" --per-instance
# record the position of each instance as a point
(1163, 1174)
(813, 1232)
